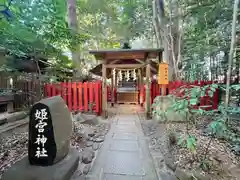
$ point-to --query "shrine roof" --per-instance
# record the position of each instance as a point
(126, 54)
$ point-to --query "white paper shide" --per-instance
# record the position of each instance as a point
(40, 116)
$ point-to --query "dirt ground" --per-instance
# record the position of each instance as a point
(224, 164)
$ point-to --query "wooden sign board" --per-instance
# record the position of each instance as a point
(163, 73)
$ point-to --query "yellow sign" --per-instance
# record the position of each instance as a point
(163, 73)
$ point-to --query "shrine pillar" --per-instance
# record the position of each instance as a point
(104, 90)
(112, 88)
(148, 99)
(140, 85)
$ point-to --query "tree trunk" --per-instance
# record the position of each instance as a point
(156, 24)
(72, 23)
(233, 44)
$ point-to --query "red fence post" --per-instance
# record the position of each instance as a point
(69, 87)
(97, 100)
(49, 94)
(80, 95)
(208, 98)
(202, 101)
(54, 90)
(100, 97)
(58, 89)
(90, 86)
(85, 86)
(63, 91)
(157, 90)
(195, 84)
(74, 87)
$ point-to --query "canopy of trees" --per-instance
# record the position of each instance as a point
(196, 35)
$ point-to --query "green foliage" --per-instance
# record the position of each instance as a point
(219, 126)
(188, 142)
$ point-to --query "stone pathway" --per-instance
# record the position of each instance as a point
(124, 154)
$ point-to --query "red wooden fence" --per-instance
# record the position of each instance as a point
(87, 97)
(83, 97)
(211, 102)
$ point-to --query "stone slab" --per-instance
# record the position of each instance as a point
(121, 177)
(63, 170)
(125, 136)
(126, 122)
(124, 163)
(127, 118)
(123, 145)
(127, 128)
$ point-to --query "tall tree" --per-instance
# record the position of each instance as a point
(73, 24)
(232, 49)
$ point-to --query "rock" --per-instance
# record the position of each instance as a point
(89, 131)
(169, 161)
(79, 117)
(77, 173)
(91, 134)
(53, 120)
(87, 118)
(167, 176)
(199, 176)
(87, 156)
(90, 138)
(82, 134)
(182, 175)
(62, 170)
(99, 139)
(160, 162)
(95, 146)
(89, 143)
(86, 168)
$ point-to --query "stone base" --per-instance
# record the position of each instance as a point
(63, 170)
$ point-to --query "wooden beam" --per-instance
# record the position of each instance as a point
(124, 66)
(114, 61)
(145, 63)
(140, 61)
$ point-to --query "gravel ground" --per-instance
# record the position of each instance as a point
(14, 143)
(224, 164)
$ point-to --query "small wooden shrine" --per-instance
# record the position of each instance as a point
(127, 69)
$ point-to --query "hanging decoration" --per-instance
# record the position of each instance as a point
(128, 76)
(114, 73)
(120, 75)
(134, 75)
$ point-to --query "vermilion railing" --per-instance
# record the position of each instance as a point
(206, 100)
(83, 97)
(87, 97)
